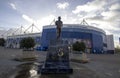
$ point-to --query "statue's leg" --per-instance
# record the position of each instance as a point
(57, 33)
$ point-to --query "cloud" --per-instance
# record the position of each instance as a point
(62, 5)
(101, 14)
(13, 6)
(69, 19)
(112, 14)
(115, 7)
(47, 20)
(104, 14)
(108, 14)
(27, 18)
(103, 24)
(90, 6)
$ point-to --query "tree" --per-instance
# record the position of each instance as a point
(27, 43)
(2, 41)
(79, 46)
(117, 49)
(82, 46)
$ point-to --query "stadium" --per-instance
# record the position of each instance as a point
(76, 32)
(95, 39)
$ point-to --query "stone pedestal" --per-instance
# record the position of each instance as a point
(57, 60)
(28, 54)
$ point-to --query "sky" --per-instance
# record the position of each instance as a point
(103, 14)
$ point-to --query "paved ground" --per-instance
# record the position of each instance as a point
(100, 66)
(105, 65)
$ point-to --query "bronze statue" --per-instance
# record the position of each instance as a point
(59, 24)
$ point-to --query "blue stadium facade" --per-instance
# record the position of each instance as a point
(94, 38)
(14, 40)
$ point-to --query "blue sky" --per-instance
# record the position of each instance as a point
(103, 14)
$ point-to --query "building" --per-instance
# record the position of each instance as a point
(14, 40)
(95, 39)
(110, 44)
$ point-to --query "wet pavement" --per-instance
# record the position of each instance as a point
(100, 66)
(29, 70)
(26, 70)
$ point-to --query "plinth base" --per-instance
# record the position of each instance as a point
(56, 71)
(57, 59)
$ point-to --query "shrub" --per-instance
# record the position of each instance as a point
(117, 49)
(2, 41)
(79, 46)
(27, 43)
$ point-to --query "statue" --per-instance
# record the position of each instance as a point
(57, 57)
(59, 24)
